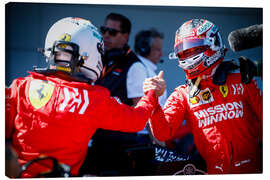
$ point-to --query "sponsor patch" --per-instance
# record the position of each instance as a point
(204, 97)
(238, 89)
(194, 100)
(208, 61)
(75, 100)
(224, 90)
(40, 93)
(218, 113)
(64, 37)
(204, 27)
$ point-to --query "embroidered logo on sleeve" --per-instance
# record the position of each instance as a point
(75, 100)
(40, 92)
(238, 89)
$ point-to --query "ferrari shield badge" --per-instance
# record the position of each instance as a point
(224, 90)
(40, 92)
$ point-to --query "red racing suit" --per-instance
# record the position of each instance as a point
(46, 115)
(226, 122)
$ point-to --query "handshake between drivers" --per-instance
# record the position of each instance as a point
(156, 83)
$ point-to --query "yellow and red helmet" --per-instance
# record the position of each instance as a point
(199, 47)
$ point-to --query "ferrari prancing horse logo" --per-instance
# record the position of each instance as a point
(40, 92)
(224, 90)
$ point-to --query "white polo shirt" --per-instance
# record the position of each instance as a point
(136, 75)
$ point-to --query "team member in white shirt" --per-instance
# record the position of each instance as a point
(148, 46)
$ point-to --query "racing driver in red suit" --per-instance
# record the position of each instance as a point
(225, 116)
(55, 110)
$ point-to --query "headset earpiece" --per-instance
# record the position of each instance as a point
(143, 43)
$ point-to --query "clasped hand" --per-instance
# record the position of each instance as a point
(156, 83)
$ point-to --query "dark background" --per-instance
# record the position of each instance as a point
(28, 23)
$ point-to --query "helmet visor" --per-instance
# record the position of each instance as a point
(191, 52)
(188, 43)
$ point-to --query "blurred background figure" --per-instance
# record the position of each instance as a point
(149, 49)
(148, 46)
(106, 154)
(118, 56)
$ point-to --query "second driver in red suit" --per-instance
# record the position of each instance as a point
(225, 116)
(55, 111)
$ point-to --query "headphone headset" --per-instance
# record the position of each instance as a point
(143, 43)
